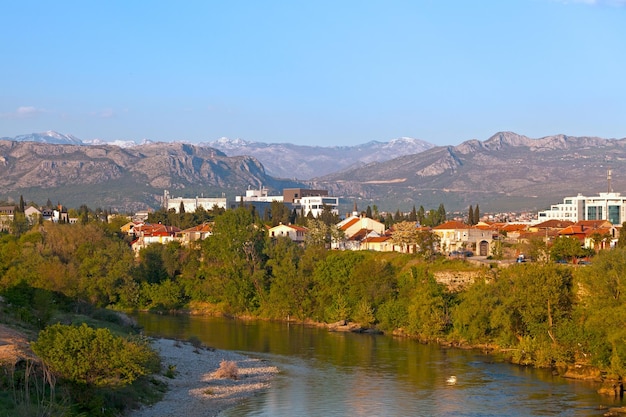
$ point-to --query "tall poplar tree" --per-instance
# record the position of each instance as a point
(413, 214)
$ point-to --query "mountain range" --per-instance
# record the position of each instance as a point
(126, 179)
(303, 162)
(506, 172)
(284, 160)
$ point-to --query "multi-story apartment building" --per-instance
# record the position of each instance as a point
(609, 206)
(300, 199)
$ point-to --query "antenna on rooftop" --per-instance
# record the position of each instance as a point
(608, 178)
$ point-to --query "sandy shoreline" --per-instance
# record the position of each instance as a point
(195, 391)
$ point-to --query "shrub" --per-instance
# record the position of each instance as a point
(171, 371)
(227, 369)
(196, 343)
(93, 357)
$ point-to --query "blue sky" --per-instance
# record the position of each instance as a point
(319, 72)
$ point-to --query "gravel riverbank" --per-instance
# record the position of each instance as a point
(196, 390)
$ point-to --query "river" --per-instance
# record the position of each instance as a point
(344, 374)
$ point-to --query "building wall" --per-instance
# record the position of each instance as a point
(315, 205)
(290, 195)
(192, 204)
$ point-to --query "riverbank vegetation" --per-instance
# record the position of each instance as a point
(540, 314)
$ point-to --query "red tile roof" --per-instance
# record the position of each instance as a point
(350, 223)
(452, 225)
(554, 224)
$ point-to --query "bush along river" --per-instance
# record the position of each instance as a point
(346, 374)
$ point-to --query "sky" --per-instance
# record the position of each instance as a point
(313, 73)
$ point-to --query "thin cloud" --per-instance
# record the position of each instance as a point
(107, 114)
(104, 114)
(22, 112)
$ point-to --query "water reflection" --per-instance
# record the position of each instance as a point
(344, 374)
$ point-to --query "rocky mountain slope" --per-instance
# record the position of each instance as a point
(283, 160)
(123, 178)
(286, 160)
(505, 172)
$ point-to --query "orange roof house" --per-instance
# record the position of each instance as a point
(455, 235)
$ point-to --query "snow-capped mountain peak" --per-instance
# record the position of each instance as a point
(48, 137)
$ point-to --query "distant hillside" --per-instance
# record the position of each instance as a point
(283, 160)
(124, 178)
(286, 160)
(505, 172)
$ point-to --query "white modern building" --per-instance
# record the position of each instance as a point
(301, 199)
(606, 206)
(260, 195)
(315, 204)
(191, 204)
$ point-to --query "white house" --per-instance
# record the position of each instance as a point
(292, 231)
(359, 233)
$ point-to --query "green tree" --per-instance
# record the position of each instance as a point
(388, 220)
(278, 213)
(470, 216)
(602, 309)
(413, 214)
(20, 224)
(83, 214)
(536, 303)
(93, 357)
(428, 310)
(621, 241)
(472, 317)
(21, 207)
(565, 247)
(441, 215)
(375, 212)
(321, 233)
(235, 260)
(327, 216)
(537, 249)
(288, 286)
(151, 268)
(476, 214)
(427, 243)
(421, 215)
(331, 282)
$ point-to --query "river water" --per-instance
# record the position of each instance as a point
(345, 374)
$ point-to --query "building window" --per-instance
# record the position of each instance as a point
(614, 216)
(592, 213)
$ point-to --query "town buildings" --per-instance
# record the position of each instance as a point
(303, 200)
